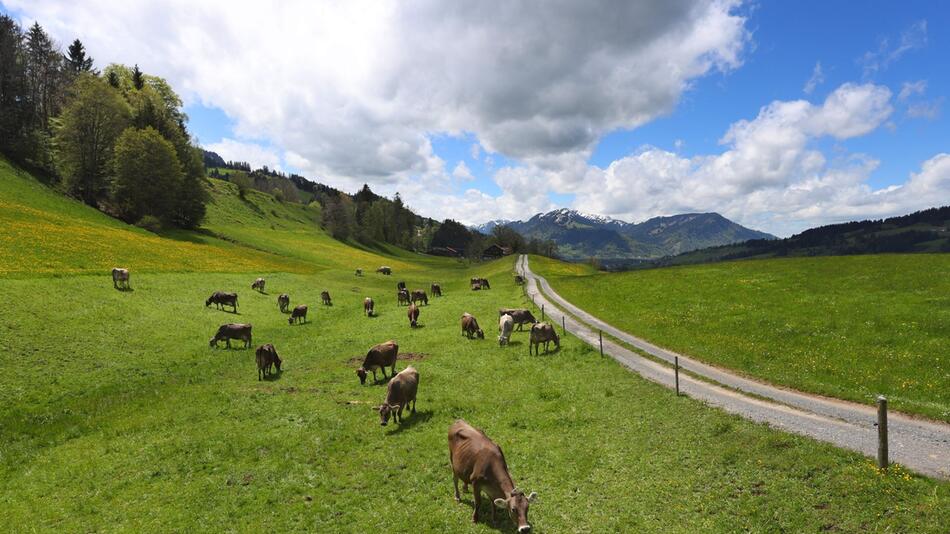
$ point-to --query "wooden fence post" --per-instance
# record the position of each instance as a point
(676, 372)
(542, 311)
(601, 335)
(882, 432)
(563, 327)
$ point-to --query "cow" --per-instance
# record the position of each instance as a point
(470, 327)
(379, 357)
(368, 306)
(400, 286)
(418, 295)
(283, 302)
(478, 461)
(505, 325)
(299, 314)
(482, 283)
(413, 315)
(267, 357)
(402, 297)
(221, 299)
(359, 272)
(227, 332)
(400, 391)
(325, 296)
(476, 285)
(520, 316)
(543, 333)
(120, 278)
(435, 289)
(258, 285)
(385, 270)
(519, 279)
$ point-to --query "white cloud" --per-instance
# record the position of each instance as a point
(909, 89)
(817, 78)
(462, 172)
(929, 110)
(255, 154)
(356, 88)
(475, 150)
(914, 37)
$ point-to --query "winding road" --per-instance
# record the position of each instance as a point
(920, 445)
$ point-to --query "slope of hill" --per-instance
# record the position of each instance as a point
(581, 236)
(922, 231)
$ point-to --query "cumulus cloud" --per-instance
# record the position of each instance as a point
(769, 176)
(817, 78)
(356, 88)
(462, 172)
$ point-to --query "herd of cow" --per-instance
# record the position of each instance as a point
(476, 460)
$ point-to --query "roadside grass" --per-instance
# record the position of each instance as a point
(851, 327)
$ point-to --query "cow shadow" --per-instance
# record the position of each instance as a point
(274, 376)
(125, 289)
(410, 420)
(513, 343)
(502, 522)
(418, 326)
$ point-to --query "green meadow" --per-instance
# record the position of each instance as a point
(116, 415)
(851, 327)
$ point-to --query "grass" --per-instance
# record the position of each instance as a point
(850, 327)
(117, 416)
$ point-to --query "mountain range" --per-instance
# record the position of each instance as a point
(581, 236)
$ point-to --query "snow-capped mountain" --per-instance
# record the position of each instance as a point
(487, 227)
(583, 235)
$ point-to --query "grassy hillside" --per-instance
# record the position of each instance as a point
(116, 415)
(849, 327)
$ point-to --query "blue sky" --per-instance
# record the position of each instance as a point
(398, 95)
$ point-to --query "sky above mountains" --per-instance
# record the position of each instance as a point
(779, 115)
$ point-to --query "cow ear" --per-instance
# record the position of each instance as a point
(501, 503)
(533, 497)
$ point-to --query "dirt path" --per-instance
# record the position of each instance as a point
(921, 445)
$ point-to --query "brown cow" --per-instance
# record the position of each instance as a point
(543, 333)
(325, 295)
(418, 295)
(368, 306)
(413, 315)
(476, 285)
(402, 297)
(267, 357)
(120, 278)
(435, 289)
(221, 299)
(385, 270)
(359, 272)
(400, 391)
(520, 316)
(258, 285)
(227, 332)
(484, 283)
(478, 461)
(470, 327)
(299, 314)
(283, 302)
(379, 357)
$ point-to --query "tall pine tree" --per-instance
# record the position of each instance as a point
(76, 59)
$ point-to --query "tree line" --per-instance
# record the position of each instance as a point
(116, 140)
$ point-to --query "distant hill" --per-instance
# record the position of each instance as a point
(581, 236)
(922, 231)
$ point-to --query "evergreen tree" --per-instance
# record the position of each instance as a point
(76, 60)
(15, 111)
(138, 78)
(113, 78)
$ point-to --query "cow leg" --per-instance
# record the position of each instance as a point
(374, 375)
(477, 497)
(455, 482)
(228, 341)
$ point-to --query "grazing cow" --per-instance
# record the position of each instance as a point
(299, 314)
(402, 297)
(120, 278)
(385, 270)
(435, 289)
(400, 391)
(258, 285)
(478, 461)
(470, 327)
(521, 316)
(325, 295)
(519, 279)
(505, 325)
(359, 272)
(400, 286)
(379, 357)
(543, 333)
(368, 306)
(221, 299)
(476, 285)
(418, 295)
(227, 332)
(413, 314)
(283, 302)
(267, 357)
(484, 283)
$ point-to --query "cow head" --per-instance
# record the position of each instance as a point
(277, 362)
(208, 302)
(362, 374)
(213, 343)
(385, 410)
(480, 334)
(517, 506)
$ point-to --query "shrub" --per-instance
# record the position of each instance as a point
(150, 222)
